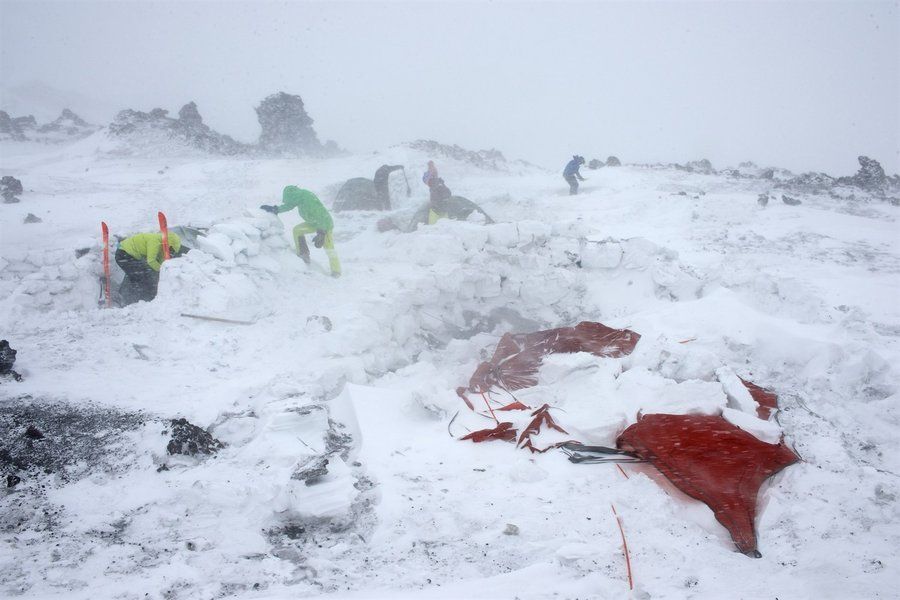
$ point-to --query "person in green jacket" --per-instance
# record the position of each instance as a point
(140, 257)
(316, 218)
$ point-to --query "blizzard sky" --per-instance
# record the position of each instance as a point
(805, 85)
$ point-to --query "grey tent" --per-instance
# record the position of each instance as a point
(357, 194)
(454, 207)
(188, 234)
(360, 193)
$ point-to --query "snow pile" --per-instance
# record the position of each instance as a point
(35, 281)
(230, 271)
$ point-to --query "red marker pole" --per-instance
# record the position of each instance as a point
(164, 230)
(105, 230)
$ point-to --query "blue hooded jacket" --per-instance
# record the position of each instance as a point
(572, 167)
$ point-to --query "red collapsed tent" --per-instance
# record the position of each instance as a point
(713, 461)
(706, 457)
(516, 362)
(517, 359)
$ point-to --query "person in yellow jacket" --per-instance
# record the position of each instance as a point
(140, 257)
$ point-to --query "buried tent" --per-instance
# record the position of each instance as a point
(713, 461)
(704, 456)
(360, 193)
(455, 208)
(357, 194)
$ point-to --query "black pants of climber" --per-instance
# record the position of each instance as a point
(573, 184)
(140, 280)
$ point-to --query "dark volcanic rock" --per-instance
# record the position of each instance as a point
(33, 433)
(595, 163)
(811, 182)
(312, 470)
(19, 129)
(67, 127)
(763, 199)
(70, 441)
(790, 201)
(7, 357)
(286, 128)
(10, 187)
(870, 176)
(190, 440)
(700, 166)
(484, 159)
(70, 125)
(187, 130)
(612, 161)
(32, 218)
(10, 129)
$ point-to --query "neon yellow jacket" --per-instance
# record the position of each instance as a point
(148, 246)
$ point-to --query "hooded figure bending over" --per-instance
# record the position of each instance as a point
(571, 174)
(140, 257)
(316, 218)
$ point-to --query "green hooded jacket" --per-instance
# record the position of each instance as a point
(308, 205)
(148, 246)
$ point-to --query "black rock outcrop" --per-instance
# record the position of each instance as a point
(870, 177)
(612, 161)
(286, 128)
(190, 440)
(16, 128)
(485, 159)
(698, 166)
(7, 358)
(10, 188)
(66, 127)
(187, 130)
(811, 182)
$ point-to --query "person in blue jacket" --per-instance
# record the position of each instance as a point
(571, 174)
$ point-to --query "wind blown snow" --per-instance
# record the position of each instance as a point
(338, 474)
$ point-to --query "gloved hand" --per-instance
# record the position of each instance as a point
(269, 208)
(319, 239)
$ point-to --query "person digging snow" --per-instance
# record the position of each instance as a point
(140, 257)
(438, 193)
(381, 185)
(571, 174)
(316, 218)
(430, 175)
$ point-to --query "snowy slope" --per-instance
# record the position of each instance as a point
(361, 370)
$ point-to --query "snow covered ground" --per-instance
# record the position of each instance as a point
(360, 372)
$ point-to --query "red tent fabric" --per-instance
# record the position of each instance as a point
(518, 357)
(709, 459)
(768, 401)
